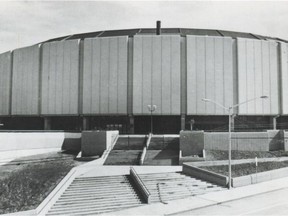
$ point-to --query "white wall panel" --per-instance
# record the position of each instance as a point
(258, 75)
(105, 75)
(60, 77)
(228, 67)
(191, 75)
(156, 74)
(219, 75)
(284, 77)
(209, 74)
(25, 83)
(5, 83)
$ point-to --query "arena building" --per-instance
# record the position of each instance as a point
(108, 79)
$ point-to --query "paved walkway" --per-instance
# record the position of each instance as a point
(270, 203)
(186, 206)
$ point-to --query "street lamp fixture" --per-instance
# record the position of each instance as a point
(230, 112)
(151, 109)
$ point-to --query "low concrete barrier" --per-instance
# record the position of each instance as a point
(205, 175)
(10, 141)
(96, 142)
(193, 142)
(241, 141)
(259, 177)
(140, 185)
(285, 140)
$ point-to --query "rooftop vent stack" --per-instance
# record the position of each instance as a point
(158, 27)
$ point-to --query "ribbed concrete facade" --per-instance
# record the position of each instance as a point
(119, 73)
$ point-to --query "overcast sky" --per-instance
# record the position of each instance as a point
(25, 23)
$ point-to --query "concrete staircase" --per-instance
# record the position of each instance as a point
(127, 151)
(170, 186)
(162, 151)
(94, 195)
(90, 195)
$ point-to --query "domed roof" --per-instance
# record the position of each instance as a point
(165, 31)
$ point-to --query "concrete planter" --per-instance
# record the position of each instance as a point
(205, 175)
(259, 177)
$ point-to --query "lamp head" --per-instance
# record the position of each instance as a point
(206, 100)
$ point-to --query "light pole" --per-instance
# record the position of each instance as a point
(151, 109)
(230, 113)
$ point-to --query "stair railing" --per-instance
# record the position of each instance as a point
(140, 185)
(145, 149)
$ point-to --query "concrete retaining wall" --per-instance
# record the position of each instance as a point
(10, 141)
(192, 143)
(285, 140)
(259, 177)
(205, 175)
(96, 142)
(241, 141)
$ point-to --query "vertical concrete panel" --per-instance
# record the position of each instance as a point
(175, 101)
(59, 72)
(210, 76)
(284, 77)
(95, 77)
(228, 72)
(250, 76)
(258, 76)
(66, 75)
(105, 73)
(157, 61)
(87, 76)
(24, 88)
(166, 75)
(242, 80)
(261, 66)
(219, 75)
(122, 99)
(137, 74)
(5, 75)
(44, 76)
(104, 76)
(74, 76)
(113, 78)
(210, 71)
(266, 76)
(15, 89)
(51, 79)
(147, 73)
(60, 76)
(157, 74)
(274, 101)
(191, 75)
(200, 75)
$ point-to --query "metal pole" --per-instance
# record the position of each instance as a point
(229, 149)
(151, 122)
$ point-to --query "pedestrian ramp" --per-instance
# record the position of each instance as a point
(162, 151)
(127, 150)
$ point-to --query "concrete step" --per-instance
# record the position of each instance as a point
(84, 203)
(85, 211)
(100, 179)
(103, 187)
(102, 196)
(93, 212)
